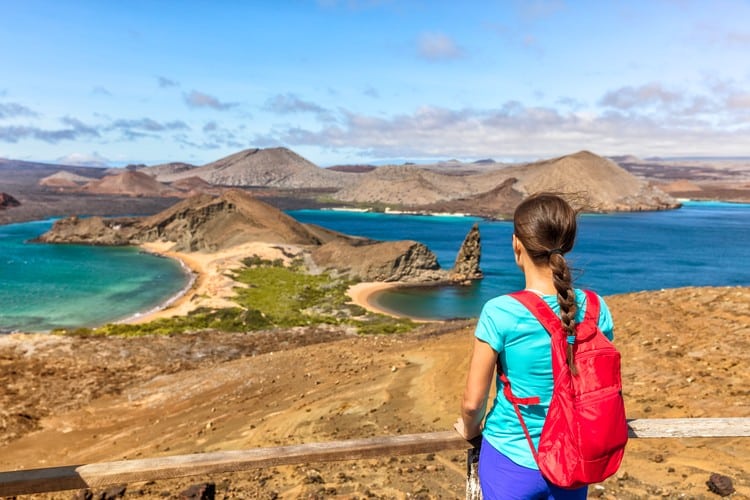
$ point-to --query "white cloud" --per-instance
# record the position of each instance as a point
(717, 127)
(84, 159)
(196, 99)
(438, 46)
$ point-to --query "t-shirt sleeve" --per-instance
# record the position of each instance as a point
(606, 324)
(487, 329)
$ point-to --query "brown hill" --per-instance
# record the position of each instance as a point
(7, 201)
(207, 223)
(680, 186)
(65, 180)
(591, 182)
(273, 167)
(194, 185)
(497, 203)
(407, 186)
(129, 183)
(165, 169)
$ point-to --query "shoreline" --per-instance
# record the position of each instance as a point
(363, 294)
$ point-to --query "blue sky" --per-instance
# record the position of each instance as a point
(363, 81)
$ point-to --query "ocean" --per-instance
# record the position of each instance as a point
(66, 286)
(701, 244)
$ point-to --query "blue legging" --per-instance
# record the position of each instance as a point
(503, 479)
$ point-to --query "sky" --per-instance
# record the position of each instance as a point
(372, 81)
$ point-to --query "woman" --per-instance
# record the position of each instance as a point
(544, 230)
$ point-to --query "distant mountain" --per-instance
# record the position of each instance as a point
(165, 169)
(7, 201)
(65, 180)
(589, 181)
(593, 183)
(129, 183)
(274, 167)
(356, 169)
(406, 185)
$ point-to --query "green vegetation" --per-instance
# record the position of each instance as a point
(272, 296)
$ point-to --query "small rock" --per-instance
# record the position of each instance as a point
(313, 477)
(83, 495)
(719, 484)
(658, 458)
(113, 492)
(201, 491)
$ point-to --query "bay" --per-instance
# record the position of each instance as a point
(700, 244)
(67, 286)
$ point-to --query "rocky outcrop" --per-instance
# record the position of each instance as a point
(408, 261)
(93, 231)
(466, 268)
(199, 223)
(404, 261)
(7, 201)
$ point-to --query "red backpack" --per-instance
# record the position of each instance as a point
(585, 431)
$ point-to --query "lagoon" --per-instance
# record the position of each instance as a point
(46, 286)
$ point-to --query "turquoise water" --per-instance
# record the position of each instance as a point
(58, 286)
(49, 286)
(701, 244)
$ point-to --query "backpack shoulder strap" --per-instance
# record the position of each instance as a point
(592, 307)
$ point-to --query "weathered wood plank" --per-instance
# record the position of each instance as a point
(689, 427)
(126, 471)
(149, 469)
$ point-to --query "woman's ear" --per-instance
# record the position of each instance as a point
(517, 250)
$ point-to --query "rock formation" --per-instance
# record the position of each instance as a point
(466, 268)
(206, 223)
(380, 260)
(7, 201)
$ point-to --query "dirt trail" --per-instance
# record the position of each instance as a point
(88, 400)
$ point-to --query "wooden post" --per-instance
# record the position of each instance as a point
(108, 473)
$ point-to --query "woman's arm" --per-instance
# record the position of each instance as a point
(478, 383)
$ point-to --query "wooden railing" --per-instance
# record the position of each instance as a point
(126, 471)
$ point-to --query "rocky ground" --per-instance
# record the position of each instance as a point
(84, 400)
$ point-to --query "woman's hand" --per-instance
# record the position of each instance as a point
(465, 433)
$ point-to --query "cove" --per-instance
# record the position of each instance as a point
(43, 286)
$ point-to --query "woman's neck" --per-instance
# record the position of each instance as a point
(539, 279)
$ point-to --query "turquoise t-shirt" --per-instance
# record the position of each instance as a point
(523, 347)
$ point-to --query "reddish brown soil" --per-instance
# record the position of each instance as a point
(83, 400)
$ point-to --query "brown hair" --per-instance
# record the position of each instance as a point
(546, 225)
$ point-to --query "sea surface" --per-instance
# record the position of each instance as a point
(66, 286)
(700, 244)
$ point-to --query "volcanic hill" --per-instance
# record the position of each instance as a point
(272, 167)
(589, 181)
